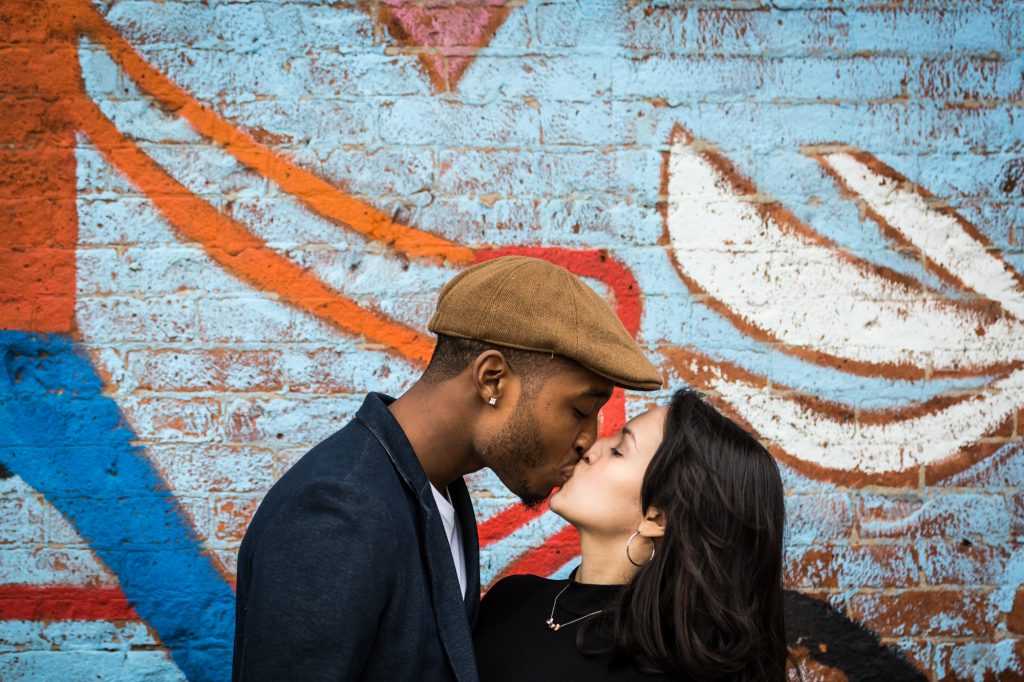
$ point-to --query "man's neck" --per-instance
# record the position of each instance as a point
(436, 425)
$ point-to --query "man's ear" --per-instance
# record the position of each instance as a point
(653, 525)
(490, 376)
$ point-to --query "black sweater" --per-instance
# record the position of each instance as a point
(514, 643)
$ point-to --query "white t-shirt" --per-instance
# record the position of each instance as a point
(454, 533)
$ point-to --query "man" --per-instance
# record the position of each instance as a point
(362, 561)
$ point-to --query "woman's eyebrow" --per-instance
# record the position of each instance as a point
(625, 429)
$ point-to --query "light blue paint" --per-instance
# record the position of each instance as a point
(68, 441)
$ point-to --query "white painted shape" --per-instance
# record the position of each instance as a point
(939, 236)
(807, 295)
(815, 438)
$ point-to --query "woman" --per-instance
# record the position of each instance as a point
(681, 520)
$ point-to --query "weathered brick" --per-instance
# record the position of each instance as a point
(257, 319)
(972, 78)
(23, 519)
(74, 636)
(328, 126)
(1002, 660)
(871, 29)
(285, 458)
(545, 78)
(818, 518)
(655, 29)
(261, 25)
(203, 469)
(380, 172)
(43, 566)
(288, 421)
(964, 563)
(681, 79)
(924, 613)
(851, 566)
(71, 665)
(576, 26)
(1004, 469)
(1015, 619)
(183, 370)
(1016, 502)
(578, 124)
(150, 271)
(422, 121)
(951, 515)
(335, 371)
(231, 516)
(176, 420)
(120, 320)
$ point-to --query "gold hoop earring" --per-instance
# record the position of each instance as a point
(631, 558)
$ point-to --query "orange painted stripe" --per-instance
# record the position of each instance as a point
(38, 211)
(316, 193)
(231, 245)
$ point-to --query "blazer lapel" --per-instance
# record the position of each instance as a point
(449, 604)
(470, 546)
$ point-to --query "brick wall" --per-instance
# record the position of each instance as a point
(224, 222)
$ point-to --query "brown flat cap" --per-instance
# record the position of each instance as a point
(531, 304)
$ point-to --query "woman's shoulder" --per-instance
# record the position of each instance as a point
(518, 594)
(518, 585)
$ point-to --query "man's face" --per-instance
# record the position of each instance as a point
(554, 421)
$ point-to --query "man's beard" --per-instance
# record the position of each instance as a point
(517, 450)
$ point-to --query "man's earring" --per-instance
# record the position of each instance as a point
(493, 401)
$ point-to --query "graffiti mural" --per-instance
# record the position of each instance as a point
(223, 223)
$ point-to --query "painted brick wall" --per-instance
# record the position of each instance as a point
(223, 222)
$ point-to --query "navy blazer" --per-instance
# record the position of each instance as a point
(345, 572)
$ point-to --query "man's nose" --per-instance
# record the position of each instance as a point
(586, 439)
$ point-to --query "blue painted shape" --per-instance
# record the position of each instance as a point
(68, 441)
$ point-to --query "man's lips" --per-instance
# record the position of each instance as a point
(567, 472)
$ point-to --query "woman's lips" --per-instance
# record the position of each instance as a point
(567, 473)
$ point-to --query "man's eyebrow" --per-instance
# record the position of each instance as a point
(625, 429)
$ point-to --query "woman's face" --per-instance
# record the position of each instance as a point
(603, 495)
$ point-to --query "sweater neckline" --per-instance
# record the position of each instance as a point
(581, 598)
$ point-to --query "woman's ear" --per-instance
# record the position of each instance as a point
(653, 525)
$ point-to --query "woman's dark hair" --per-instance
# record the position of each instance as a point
(708, 606)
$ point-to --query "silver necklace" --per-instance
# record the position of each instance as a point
(558, 626)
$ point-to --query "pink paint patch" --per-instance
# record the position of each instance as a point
(446, 38)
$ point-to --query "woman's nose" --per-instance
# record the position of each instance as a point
(590, 455)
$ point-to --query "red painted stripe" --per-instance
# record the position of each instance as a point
(64, 602)
(506, 522)
(548, 557)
